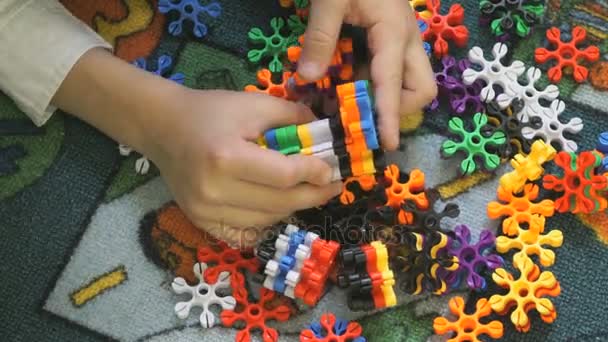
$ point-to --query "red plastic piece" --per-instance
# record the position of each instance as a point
(226, 260)
(266, 86)
(327, 322)
(255, 315)
(316, 270)
(567, 55)
(444, 28)
(374, 275)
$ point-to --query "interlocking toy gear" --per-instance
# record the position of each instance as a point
(525, 293)
(580, 184)
(529, 94)
(330, 329)
(474, 144)
(267, 86)
(461, 96)
(493, 72)
(142, 164)
(255, 315)
(602, 147)
(468, 327)
(473, 259)
(506, 121)
(316, 270)
(444, 28)
(163, 64)
(567, 54)
(423, 27)
(419, 7)
(551, 130)
(273, 47)
(401, 187)
(191, 10)
(527, 167)
(512, 16)
(226, 259)
(429, 219)
(365, 182)
(531, 242)
(203, 295)
(519, 208)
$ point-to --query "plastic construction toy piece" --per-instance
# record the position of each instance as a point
(401, 188)
(163, 64)
(366, 183)
(473, 144)
(142, 164)
(444, 28)
(203, 295)
(525, 293)
(568, 55)
(423, 27)
(315, 271)
(527, 168)
(512, 16)
(273, 47)
(580, 184)
(267, 86)
(505, 121)
(519, 208)
(255, 315)
(330, 329)
(191, 10)
(226, 259)
(529, 94)
(419, 7)
(461, 96)
(473, 259)
(468, 327)
(602, 147)
(387, 278)
(551, 130)
(429, 219)
(493, 72)
(530, 242)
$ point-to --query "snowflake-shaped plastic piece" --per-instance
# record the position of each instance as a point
(473, 259)
(267, 86)
(163, 64)
(399, 190)
(191, 10)
(203, 295)
(274, 46)
(529, 94)
(525, 293)
(444, 28)
(226, 259)
(474, 144)
(506, 121)
(420, 10)
(551, 130)
(531, 242)
(567, 55)
(493, 72)
(519, 208)
(461, 96)
(429, 219)
(255, 315)
(602, 147)
(142, 164)
(580, 184)
(527, 167)
(512, 16)
(468, 327)
(330, 329)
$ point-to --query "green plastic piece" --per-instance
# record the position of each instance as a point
(301, 4)
(521, 15)
(297, 28)
(288, 140)
(275, 45)
(474, 144)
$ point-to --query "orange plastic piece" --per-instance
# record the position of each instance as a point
(531, 242)
(527, 168)
(519, 208)
(367, 183)
(266, 85)
(525, 293)
(468, 327)
(397, 193)
(374, 275)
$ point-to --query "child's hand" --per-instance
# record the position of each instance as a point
(400, 69)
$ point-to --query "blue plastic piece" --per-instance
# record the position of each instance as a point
(288, 261)
(366, 114)
(163, 64)
(423, 27)
(604, 166)
(602, 143)
(271, 139)
(191, 10)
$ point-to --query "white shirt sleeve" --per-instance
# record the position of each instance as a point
(40, 41)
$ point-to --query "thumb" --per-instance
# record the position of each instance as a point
(321, 36)
(273, 112)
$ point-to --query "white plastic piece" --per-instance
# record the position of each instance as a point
(272, 268)
(124, 150)
(320, 132)
(530, 96)
(310, 238)
(493, 72)
(142, 165)
(552, 129)
(291, 229)
(203, 296)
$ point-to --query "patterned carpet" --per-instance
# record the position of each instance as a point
(89, 247)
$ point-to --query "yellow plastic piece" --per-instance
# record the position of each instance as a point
(527, 168)
(262, 142)
(426, 14)
(305, 136)
(388, 277)
(531, 242)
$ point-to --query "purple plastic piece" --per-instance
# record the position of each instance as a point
(473, 259)
(462, 98)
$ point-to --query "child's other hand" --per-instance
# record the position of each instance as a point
(220, 177)
(402, 74)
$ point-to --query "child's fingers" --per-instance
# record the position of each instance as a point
(420, 87)
(272, 112)
(322, 32)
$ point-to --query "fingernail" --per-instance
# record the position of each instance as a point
(309, 70)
